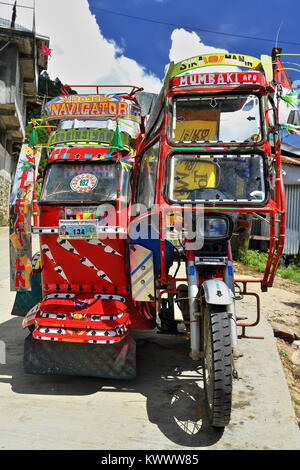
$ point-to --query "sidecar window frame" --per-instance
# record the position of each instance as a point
(263, 191)
(146, 184)
(71, 197)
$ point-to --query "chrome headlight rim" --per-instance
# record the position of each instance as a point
(218, 216)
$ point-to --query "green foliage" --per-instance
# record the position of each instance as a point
(43, 136)
(255, 259)
(42, 133)
(291, 272)
(258, 259)
(51, 88)
(48, 89)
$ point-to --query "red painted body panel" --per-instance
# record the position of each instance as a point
(207, 83)
(77, 273)
(109, 275)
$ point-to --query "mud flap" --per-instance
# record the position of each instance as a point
(24, 301)
(110, 361)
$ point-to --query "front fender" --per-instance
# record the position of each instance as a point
(217, 292)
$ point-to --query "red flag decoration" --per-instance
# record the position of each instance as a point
(280, 74)
(46, 51)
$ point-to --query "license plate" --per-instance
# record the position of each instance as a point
(85, 229)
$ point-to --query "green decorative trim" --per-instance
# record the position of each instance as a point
(216, 148)
(102, 136)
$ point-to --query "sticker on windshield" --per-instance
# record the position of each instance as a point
(84, 183)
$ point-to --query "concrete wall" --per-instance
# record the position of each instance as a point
(11, 81)
(7, 166)
(6, 161)
(8, 70)
(5, 185)
(11, 97)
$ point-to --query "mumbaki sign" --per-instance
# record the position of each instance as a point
(85, 135)
(238, 60)
(229, 78)
(87, 106)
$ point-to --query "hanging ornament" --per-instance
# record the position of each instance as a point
(46, 51)
(291, 99)
(116, 144)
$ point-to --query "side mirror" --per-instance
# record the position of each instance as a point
(146, 101)
(294, 117)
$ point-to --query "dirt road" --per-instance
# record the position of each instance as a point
(281, 305)
(164, 408)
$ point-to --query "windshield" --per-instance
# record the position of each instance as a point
(216, 119)
(126, 124)
(83, 182)
(216, 178)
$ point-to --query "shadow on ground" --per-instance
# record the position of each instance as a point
(293, 304)
(170, 381)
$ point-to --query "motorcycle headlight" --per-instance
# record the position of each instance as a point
(216, 227)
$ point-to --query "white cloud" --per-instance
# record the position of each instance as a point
(186, 44)
(88, 57)
(81, 54)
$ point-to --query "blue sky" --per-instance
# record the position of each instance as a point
(149, 43)
(92, 45)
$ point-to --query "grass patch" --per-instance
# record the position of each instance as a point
(254, 259)
(257, 259)
(291, 272)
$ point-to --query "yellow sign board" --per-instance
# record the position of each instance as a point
(237, 60)
(196, 131)
(193, 174)
(193, 125)
(267, 65)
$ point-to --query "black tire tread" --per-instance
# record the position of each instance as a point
(220, 411)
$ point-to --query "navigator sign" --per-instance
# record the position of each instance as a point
(86, 106)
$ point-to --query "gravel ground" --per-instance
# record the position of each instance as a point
(281, 304)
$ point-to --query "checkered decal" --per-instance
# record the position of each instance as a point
(57, 267)
(107, 248)
(83, 260)
(85, 318)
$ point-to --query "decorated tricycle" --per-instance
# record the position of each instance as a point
(136, 216)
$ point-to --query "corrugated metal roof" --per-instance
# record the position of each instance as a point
(295, 151)
(7, 24)
(290, 161)
(292, 237)
(290, 154)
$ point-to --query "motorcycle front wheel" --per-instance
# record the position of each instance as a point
(217, 363)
